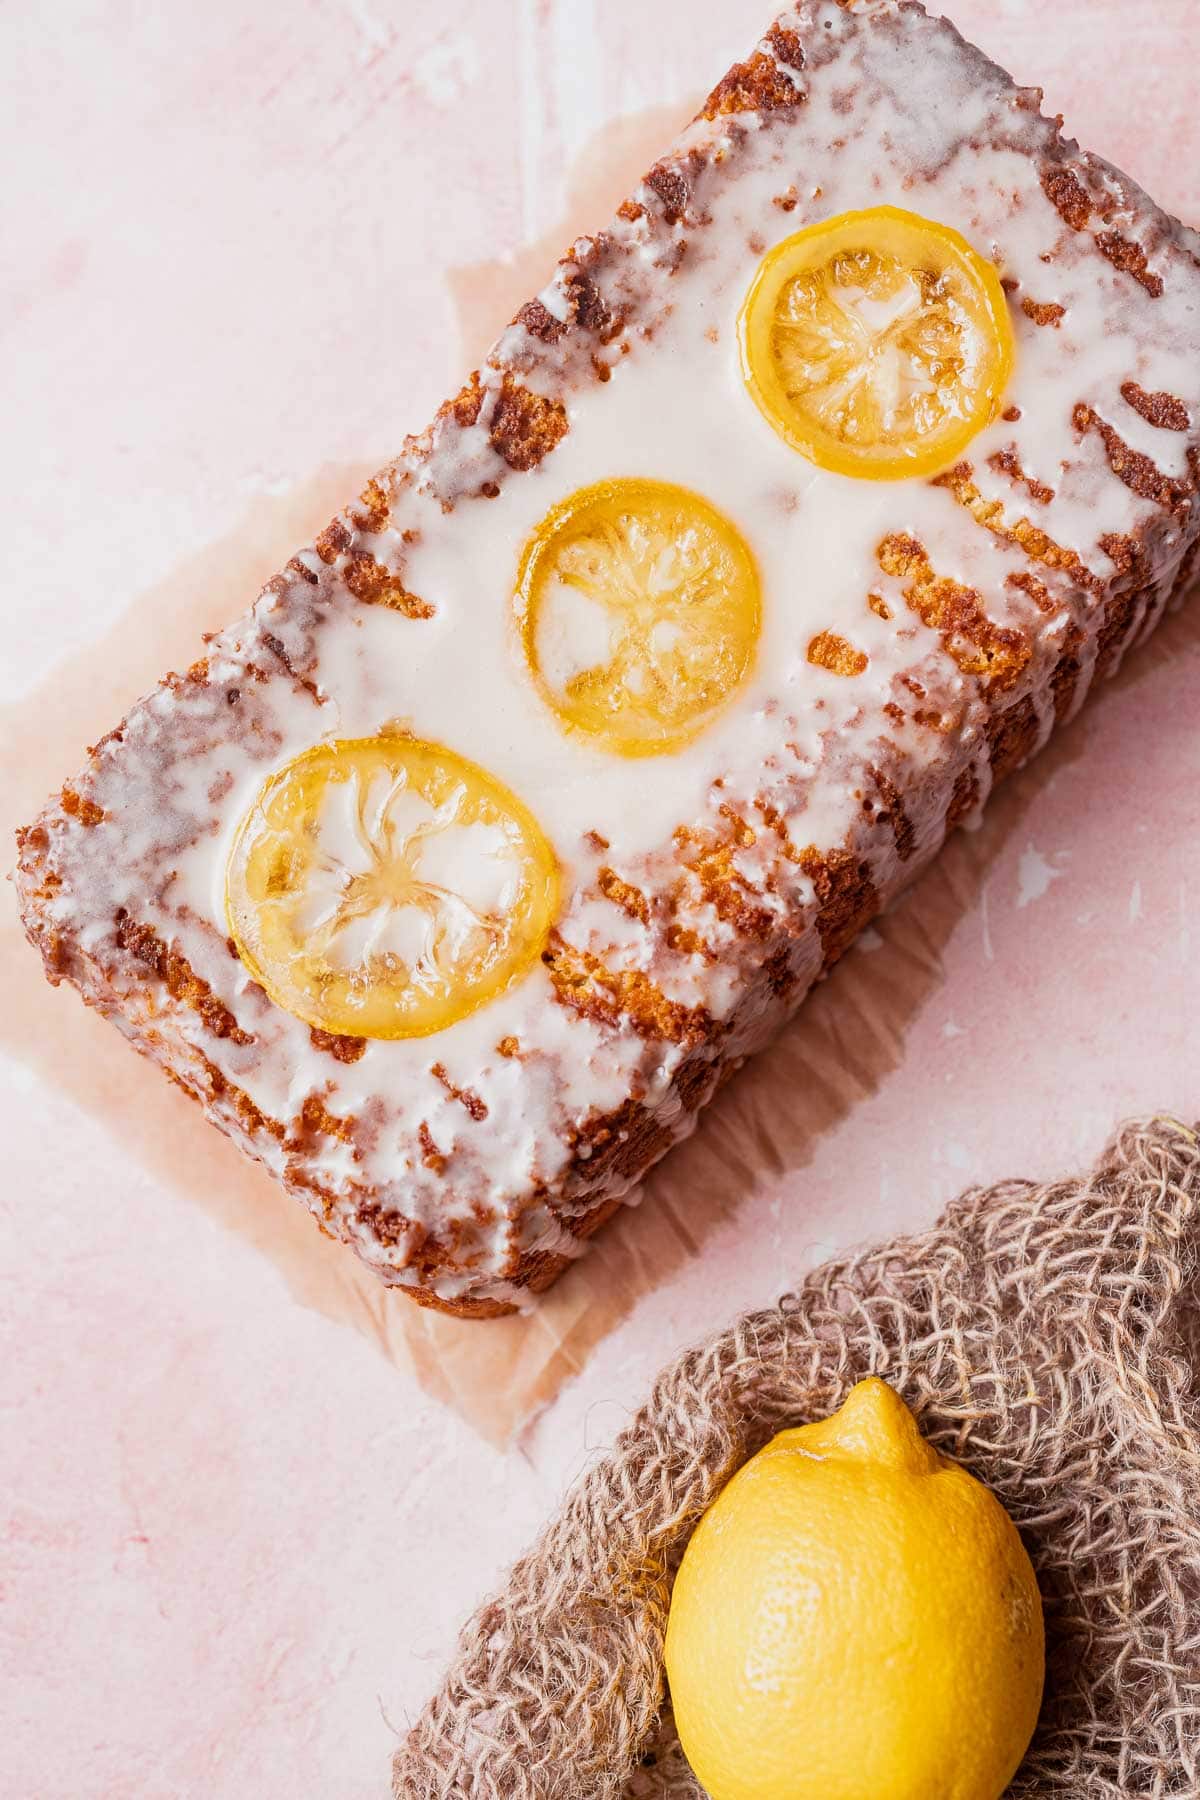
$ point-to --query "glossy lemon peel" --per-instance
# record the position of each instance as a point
(639, 610)
(387, 887)
(877, 343)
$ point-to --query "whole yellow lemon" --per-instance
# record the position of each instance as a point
(855, 1618)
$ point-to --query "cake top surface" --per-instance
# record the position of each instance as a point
(401, 620)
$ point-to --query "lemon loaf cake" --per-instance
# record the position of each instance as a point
(803, 502)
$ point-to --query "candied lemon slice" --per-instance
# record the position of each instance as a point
(385, 887)
(640, 609)
(877, 343)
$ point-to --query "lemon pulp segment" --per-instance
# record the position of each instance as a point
(877, 343)
(386, 887)
(639, 608)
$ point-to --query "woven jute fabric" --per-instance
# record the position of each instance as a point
(1046, 1337)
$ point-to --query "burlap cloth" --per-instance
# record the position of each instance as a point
(1047, 1337)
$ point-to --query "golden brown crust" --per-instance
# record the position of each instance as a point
(1038, 546)
(977, 644)
(77, 806)
(1124, 254)
(1068, 196)
(1165, 411)
(373, 584)
(1007, 462)
(758, 84)
(342, 1049)
(1138, 472)
(829, 650)
(1044, 312)
(145, 945)
(589, 987)
(524, 427)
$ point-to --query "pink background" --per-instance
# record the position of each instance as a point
(249, 248)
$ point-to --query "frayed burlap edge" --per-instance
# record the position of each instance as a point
(1047, 1338)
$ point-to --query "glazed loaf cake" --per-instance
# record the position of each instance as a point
(919, 638)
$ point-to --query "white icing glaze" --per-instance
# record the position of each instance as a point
(897, 112)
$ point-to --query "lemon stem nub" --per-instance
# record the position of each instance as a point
(874, 1423)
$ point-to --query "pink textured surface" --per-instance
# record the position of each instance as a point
(257, 246)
